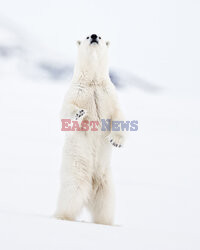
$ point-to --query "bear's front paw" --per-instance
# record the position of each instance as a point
(117, 140)
(80, 114)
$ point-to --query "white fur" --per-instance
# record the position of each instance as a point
(85, 172)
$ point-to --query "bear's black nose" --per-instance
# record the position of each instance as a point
(94, 36)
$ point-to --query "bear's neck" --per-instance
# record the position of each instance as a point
(91, 72)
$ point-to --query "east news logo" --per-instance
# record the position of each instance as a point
(104, 125)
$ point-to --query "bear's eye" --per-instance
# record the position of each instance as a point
(99, 37)
(87, 37)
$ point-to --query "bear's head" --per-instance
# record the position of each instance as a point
(92, 57)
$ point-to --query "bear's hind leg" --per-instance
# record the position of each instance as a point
(74, 193)
(101, 204)
(70, 203)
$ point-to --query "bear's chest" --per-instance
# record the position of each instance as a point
(101, 105)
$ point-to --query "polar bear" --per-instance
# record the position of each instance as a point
(85, 171)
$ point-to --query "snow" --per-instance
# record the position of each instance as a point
(156, 174)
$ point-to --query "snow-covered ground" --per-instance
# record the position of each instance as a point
(158, 170)
(157, 174)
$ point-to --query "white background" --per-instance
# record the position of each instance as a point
(156, 173)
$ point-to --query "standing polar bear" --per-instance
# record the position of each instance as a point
(85, 172)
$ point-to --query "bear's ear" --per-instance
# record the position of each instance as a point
(108, 43)
(78, 43)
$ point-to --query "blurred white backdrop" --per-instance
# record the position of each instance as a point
(153, 43)
(158, 40)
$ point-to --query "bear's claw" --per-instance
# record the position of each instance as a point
(79, 114)
(116, 140)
